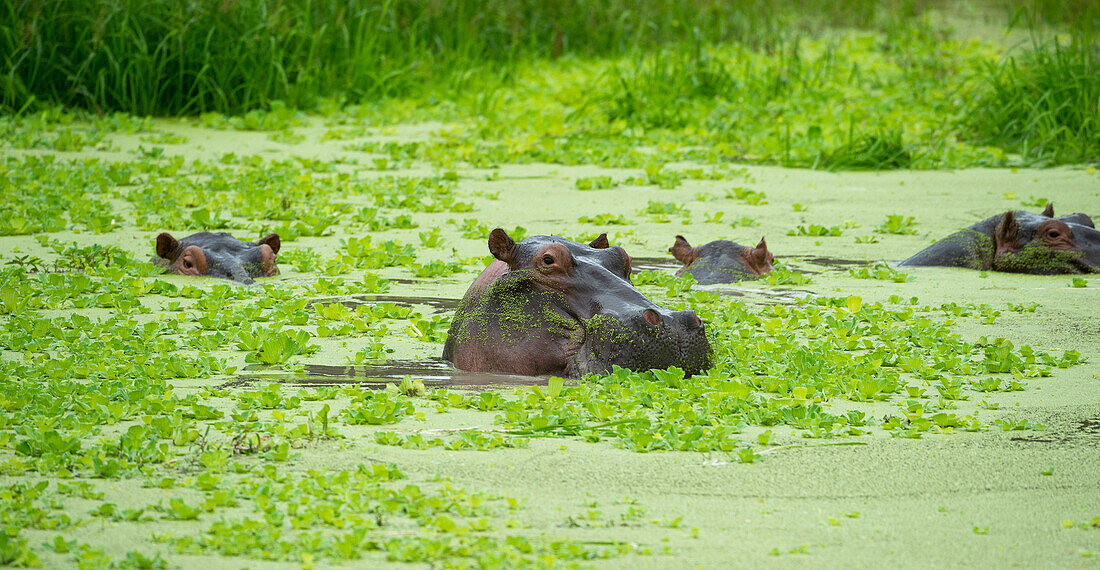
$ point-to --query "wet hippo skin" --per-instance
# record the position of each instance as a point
(722, 261)
(549, 305)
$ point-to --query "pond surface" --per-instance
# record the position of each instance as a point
(943, 497)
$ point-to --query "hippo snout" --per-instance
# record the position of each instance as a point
(238, 273)
(688, 319)
(664, 338)
(685, 320)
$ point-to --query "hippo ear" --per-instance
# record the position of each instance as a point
(600, 242)
(682, 251)
(760, 258)
(272, 241)
(167, 246)
(1049, 210)
(1006, 236)
(501, 246)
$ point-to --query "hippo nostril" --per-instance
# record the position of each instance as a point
(652, 316)
(688, 320)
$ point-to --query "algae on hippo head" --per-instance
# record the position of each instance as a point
(968, 249)
(611, 342)
(1019, 242)
(549, 305)
(1037, 259)
(511, 315)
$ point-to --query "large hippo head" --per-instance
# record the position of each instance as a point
(1020, 242)
(1043, 244)
(220, 255)
(722, 261)
(549, 305)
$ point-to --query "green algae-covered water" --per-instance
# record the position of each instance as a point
(857, 414)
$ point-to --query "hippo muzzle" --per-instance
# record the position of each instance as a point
(653, 338)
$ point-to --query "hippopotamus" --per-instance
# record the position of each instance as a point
(1020, 242)
(551, 306)
(219, 255)
(722, 261)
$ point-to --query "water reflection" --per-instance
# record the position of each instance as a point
(434, 373)
(352, 301)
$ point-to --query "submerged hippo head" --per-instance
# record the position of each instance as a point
(549, 305)
(1020, 242)
(722, 261)
(1042, 244)
(220, 255)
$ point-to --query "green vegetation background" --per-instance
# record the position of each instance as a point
(767, 79)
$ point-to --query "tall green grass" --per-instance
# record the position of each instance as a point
(772, 100)
(1081, 16)
(170, 57)
(660, 90)
(1043, 104)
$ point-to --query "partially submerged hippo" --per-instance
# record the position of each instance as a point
(549, 305)
(219, 255)
(1020, 242)
(722, 261)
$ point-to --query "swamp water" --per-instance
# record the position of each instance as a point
(853, 493)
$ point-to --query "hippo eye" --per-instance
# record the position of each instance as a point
(187, 263)
(1053, 234)
(548, 260)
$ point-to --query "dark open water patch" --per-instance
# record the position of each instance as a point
(668, 263)
(1080, 433)
(764, 296)
(434, 373)
(832, 262)
(653, 264)
(353, 301)
(742, 289)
